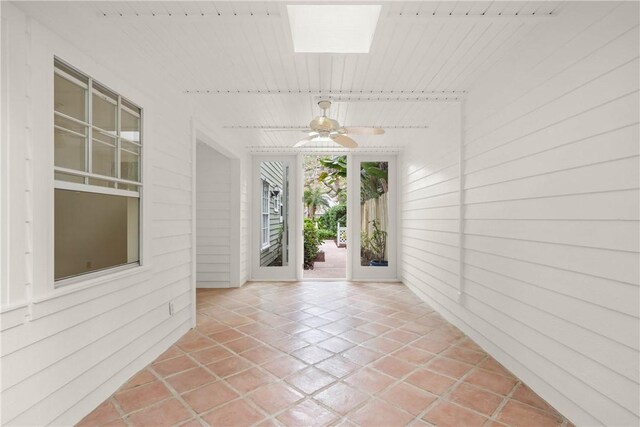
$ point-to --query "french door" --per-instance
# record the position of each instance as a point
(277, 241)
(372, 217)
(274, 210)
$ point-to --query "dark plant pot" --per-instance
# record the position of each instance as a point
(375, 263)
(320, 257)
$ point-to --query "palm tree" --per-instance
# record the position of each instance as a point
(313, 198)
(374, 176)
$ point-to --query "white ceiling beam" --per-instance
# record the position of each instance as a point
(426, 18)
(303, 128)
(358, 93)
(188, 17)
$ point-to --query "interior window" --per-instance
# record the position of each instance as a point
(97, 149)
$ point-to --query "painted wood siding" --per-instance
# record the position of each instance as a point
(65, 350)
(213, 254)
(273, 173)
(245, 177)
(550, 214)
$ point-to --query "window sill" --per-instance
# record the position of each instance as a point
(77, 284)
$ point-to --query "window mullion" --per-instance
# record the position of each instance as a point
(89, 155)
(118, 133)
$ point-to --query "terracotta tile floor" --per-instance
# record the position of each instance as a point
(330, 353)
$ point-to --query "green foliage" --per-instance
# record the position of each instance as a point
(374, 180)
(311, 243)
(313, 198)
(378, 241)
(334, 215)
(374, 177)
(374, 245)
(334, 175)
(324, 234)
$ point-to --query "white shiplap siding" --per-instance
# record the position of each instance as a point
(244, 219)
(213, 253)
(551, 232)
(74, 346)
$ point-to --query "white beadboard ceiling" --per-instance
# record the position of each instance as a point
(236, 60)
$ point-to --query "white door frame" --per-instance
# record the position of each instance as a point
(300, 215)
(288, 272)
(355, 272)
(359, 272)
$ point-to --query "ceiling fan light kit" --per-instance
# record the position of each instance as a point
(323, 127)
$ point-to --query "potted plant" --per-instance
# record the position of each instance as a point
(377, 243)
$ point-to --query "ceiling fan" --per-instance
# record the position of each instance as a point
(324, 127)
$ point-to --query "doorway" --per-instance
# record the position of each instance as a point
(311, 220)
(325, 216)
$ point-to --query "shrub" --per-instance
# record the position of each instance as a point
(311, 243)
(326, 234)
(334, 215)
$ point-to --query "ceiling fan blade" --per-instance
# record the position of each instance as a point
(363, 130)
(304, 141)
(345, 141)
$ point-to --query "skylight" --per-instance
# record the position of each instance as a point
(333, 28)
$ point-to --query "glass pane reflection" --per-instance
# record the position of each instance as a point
(374, 213)
(274, 205)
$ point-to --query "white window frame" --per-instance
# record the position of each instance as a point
(88, 174)
(265, 214)
(277, 201)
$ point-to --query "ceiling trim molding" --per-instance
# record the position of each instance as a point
(389, 93)
(322, 149)
(303, 128)
(501, 17)
(189, 16)
(398, 98)
(348, 96)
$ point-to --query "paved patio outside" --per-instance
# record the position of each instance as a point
(334, 265)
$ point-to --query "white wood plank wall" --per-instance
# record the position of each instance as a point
(213, 253)
(550, 215)
(245, 177)
(65, 350)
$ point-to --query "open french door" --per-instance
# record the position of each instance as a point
(274, 210)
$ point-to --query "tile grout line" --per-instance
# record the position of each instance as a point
(369, 307)
(206, 368)
(119, 409)
(175, 393)
(370, 364)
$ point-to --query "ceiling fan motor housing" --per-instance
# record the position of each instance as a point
(324, 125)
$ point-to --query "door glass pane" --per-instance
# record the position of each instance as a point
(94, 231)
(104, 112)
(274, 202)
(374, 213)
(69, 150)
(70, 98)
(103, 156)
